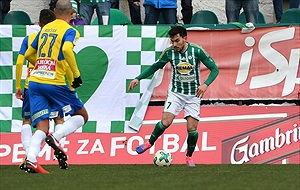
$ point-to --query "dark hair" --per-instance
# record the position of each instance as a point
(177, 30)
(52, 4)
(46, 16)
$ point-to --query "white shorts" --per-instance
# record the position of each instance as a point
(176, 102)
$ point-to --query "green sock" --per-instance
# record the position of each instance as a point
(191, 142)
(158, 130)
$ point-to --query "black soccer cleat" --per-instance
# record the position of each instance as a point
(59, 153)
(23, 163)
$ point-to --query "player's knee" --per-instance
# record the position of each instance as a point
(26, 121)
(166, 123)
(86, 118)
(83, 113)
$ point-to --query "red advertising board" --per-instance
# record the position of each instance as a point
(227, 134)
(261, 65)
(267, 143)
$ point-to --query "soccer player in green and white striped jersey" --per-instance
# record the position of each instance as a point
(185, 89)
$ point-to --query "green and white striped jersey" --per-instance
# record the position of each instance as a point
(185, 76)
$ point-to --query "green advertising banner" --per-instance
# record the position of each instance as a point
(109, 57)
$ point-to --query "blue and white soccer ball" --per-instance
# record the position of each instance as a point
(162, 158)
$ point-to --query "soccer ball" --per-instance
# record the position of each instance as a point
(162, 158)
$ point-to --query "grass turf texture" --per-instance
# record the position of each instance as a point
(260, 176)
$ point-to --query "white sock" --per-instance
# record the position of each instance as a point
(26, 134)
(35, 145)
(58, 126)
(69, 127)
(62, 141)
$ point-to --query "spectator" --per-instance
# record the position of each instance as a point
(294, 4)
(114, 4)
(134, 9)
(250, 7)
(4, 8)
(187, 11)
(76, 17)
(102, 9)
(278, 4)
(153, 8)
(52, 4)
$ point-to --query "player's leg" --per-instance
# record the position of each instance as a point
(26, 134)
(191, 140)
(71, 105)
(192, 115)
(58, 151)
(78, 119)
(158, 130)
(172, 108)
(59, 121)
(161, 126)
(39, 111)
(67, 128)
(58, 116)
(36, 141)
(26, 131)
(63, 99)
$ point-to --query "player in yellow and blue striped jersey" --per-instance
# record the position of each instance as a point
(47, 86)
(45, 17)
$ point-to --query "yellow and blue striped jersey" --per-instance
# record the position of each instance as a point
(50, 65)
(20, 61)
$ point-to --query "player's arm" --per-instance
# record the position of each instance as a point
(150, 71)
(20, 62)
(30, 54)
(19, 67)
(69, 75)
(71, 61)
(70, 58)
(71, 36)
(214, 72)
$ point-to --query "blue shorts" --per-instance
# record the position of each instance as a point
(26, 105)
(46, 97)
(55, 111)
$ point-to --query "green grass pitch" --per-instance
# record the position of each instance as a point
(202, 177)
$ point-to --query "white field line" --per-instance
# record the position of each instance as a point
(225, 118)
